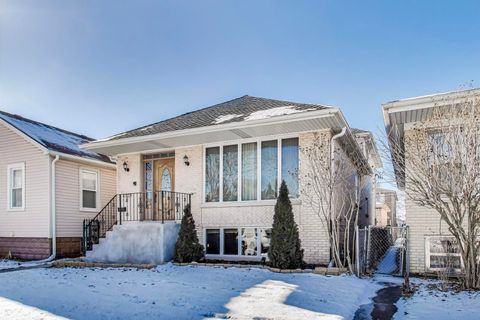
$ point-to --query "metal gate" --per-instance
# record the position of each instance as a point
(382, 250)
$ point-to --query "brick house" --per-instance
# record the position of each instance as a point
(428, 235)
(227, 161)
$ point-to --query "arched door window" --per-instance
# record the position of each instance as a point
(166, 180)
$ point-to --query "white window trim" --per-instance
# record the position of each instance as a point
(10, 168)
(428, 254)
(97, 195)
(239, 256)
(239, 143)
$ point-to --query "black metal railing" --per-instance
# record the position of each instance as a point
(141, 206)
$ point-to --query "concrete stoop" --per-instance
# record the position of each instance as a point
(136, 243)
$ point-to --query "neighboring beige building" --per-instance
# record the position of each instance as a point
(386, 207)
(228, 161)
(48, 185)
(426, 231)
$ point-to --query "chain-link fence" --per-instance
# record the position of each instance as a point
(382, 250)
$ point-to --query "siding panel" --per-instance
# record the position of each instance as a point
(34, 221)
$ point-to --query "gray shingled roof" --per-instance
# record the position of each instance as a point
(240, 109)
(53, 138)
(357, 131)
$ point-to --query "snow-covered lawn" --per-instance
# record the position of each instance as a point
(171, 292)
(428, 303)
(8, 264)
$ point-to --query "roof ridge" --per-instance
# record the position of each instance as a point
(19, 117)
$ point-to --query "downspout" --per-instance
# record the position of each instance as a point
(53, 213)
(332, 168)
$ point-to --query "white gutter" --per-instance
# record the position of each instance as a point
(81, 159)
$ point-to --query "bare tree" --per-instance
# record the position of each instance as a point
(332, 189)
(438, 163)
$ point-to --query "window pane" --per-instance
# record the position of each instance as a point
(17, 178)
(149, 185)
(290, 165)
(265, 235)
(249, 241)
(89, 199)
(230, 241)
(230, 173)
(249, 171)
(269, 169)
(17, 198)
(213, 241)
(212, 174)
(89, 181)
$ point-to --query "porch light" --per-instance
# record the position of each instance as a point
(185, 160)
(125, 166)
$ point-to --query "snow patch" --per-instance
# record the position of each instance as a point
(227, 117)
(274, 112)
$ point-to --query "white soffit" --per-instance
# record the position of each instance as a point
(172, 141)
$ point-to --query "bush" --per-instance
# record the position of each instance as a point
(187, 248)
(285, 248)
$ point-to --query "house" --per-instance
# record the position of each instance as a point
(48, 185)
(429, 236)
(367, 144)
(386, 207)
(227, 161)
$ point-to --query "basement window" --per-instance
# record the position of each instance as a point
(442, 253)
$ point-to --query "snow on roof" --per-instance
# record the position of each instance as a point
(53, 138)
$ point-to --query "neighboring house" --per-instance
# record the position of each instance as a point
(426, 230)
(386, 213)
(48, 185)
(228, 161)
(369, 148)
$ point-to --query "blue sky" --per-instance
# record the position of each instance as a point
(102, 67)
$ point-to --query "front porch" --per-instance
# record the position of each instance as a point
(140, 207)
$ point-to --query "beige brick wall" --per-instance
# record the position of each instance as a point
(422, 222)
(189, 179)
(131, 181)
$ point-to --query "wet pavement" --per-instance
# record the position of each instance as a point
(382, 306)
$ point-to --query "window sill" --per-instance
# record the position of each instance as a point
(228, 257)
(254, 203)
(89, 210)
(16, 209)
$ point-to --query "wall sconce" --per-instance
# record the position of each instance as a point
(185, 160)
(125, 166)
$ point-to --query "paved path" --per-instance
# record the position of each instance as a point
(383, 305)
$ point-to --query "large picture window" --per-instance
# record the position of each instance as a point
(230, 173)
(16, 186)
(212, 174)
(251, 171)
(89, 189)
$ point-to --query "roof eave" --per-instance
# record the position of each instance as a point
(213, 128)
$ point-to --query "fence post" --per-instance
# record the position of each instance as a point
(369, 232)
(407, 254)
(121, 209)
(357, 250)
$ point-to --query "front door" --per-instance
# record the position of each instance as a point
(164, 182)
